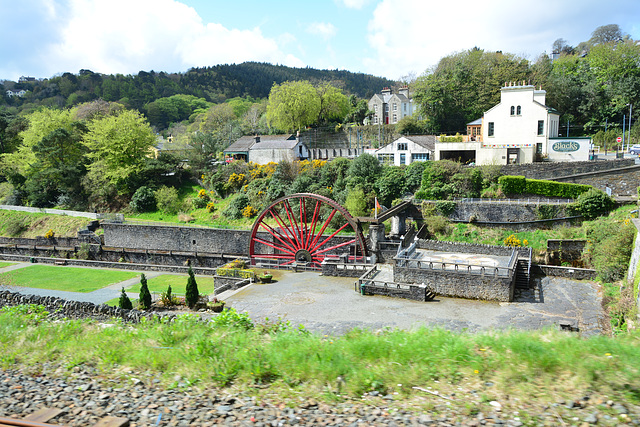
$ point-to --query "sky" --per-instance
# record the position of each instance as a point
(387, 38)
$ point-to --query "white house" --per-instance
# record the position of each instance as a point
(513, 131)
(407, 149)
(20, 93)
(267, 148)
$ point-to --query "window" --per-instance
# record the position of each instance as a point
(402, 146)
(519, 111)
(375, 120)
(419, 157)
(405, 106)
(513, 110)
(395, 118)
(539, 148)
(386, 108)
(540, 127)
(395, 107)
(403, 159)
(386, 159)
(490, 129)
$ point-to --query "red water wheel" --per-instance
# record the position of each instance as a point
(304, 228)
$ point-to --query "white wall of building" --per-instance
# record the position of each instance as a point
(395, 150)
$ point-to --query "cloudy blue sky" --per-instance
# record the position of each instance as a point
(390, 38)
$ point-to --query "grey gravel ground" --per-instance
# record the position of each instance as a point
(84, 400)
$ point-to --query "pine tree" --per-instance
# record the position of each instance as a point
(191, 297)
(145, 295)
(124, 301)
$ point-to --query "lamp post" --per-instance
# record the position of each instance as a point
(629, 141)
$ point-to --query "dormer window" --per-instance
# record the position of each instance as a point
(402, 146)
(513, 110)
(519, 111)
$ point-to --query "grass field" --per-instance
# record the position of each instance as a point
(6, 264)
(178, 284)
(71, 279)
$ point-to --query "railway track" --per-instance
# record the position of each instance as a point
(42, 417)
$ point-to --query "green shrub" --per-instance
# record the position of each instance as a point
(594, 203)
(237, 205)
(428, 209)
(167, 200)
(191, 291)
(16, 226)
(512, 184)
(143, 200)
(445, 207)
(124, 302)
(437, 225)
(456, 138)
(609, 245)
(144, 297)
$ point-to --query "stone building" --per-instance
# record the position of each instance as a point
(389, 107)
(263, 149)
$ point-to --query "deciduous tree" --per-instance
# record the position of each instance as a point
(293, 105)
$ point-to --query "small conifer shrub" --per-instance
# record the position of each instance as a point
(191, 292)
(145, 295)
(125, 302)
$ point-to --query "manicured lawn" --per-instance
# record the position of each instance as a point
(178, 284)
(6, 264)
(61, 278)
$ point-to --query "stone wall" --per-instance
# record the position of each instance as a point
(622, 182)
(568, 272)
(555, 170)
(564, 250)
(186, 239)
(501, 212)
(455, 284)
(412, 292)
(59, 308)
(226, 283)
(336, 269)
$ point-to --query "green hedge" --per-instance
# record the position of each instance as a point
(520, 185)
(235, 272)
(444, 138)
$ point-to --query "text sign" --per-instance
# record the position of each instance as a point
(565, 146)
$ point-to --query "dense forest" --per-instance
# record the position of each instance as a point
(213, 84)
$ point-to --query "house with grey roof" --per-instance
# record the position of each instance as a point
(263, 149)
(389, 107)
(407, 149)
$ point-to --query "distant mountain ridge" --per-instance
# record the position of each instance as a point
(215, 84)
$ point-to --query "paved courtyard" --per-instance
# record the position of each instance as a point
(330, 305)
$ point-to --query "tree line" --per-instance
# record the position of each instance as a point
(592, 85)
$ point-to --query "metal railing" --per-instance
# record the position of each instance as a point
(278, 264)
(456, 266)
(527, 201)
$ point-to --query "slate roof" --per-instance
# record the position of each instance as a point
(426, 141)
(248, 142)
(475, 122)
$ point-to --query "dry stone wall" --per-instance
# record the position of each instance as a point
(555, 170)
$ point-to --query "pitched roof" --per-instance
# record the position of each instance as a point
(476, 122)
(247, 142)
(426, 141)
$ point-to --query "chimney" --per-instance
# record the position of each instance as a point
(404, 90)
(257, 138)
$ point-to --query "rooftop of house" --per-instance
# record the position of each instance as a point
(257, 142)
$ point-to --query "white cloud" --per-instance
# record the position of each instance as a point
(424, 32)
(324, 29)
(353, 4)
(125, 36)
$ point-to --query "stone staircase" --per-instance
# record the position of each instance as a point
(523, 279)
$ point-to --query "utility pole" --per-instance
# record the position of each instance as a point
(624, 118)
(629, 143)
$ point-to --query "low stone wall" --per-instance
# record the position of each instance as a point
(61, 308)
(568, 272)
(226, 283)
(622, 182)
(564, 250)
(335, 269)
(555, 170)
(456, 284)
(469, 248)
(412, 292)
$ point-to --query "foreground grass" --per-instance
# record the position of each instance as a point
(230, 351)
(62, 278)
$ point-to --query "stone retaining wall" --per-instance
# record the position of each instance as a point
(568, 272)
(501, 212)
(454, 284)
(61, 308)
(622, 182)
(226, 283)
(555, 170)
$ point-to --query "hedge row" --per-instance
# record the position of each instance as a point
(236, 272)
(520, 185)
